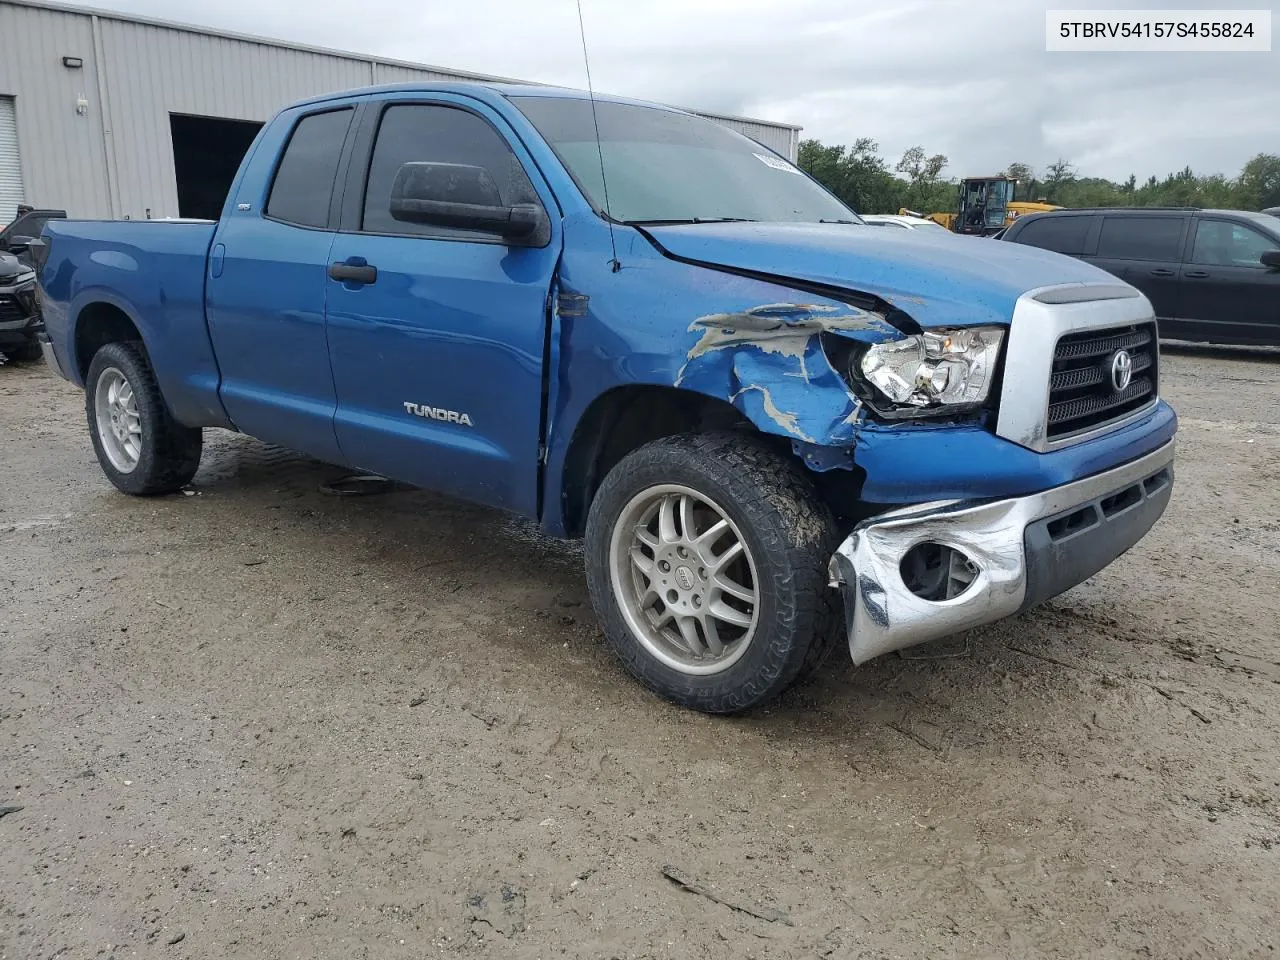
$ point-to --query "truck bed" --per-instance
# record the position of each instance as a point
(153, 272)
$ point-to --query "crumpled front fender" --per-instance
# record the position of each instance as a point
(768, 361)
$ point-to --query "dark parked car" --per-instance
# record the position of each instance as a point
(19, 323)
(26, 227)
(1211, 275)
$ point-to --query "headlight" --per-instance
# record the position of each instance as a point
(938, 368)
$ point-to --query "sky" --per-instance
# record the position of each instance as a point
(966, 78)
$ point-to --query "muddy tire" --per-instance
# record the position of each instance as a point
(707, 563)
(143, 450)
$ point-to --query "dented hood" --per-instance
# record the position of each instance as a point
(936, 278)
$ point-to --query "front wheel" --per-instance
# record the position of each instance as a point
(143, 450)
(707, 565)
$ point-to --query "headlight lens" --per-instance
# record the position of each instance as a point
(935, 368)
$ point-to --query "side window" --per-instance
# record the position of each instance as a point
(416, 133)
(28, 225)
(1221, 243)
(1141, 238)
(1060, 234)
(303, 185)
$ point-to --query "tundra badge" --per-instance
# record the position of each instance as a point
(438, 413)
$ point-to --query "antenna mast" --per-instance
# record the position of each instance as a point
(595, 120)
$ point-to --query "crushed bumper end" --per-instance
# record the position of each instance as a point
(1015, 553)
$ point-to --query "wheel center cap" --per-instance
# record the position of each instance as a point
(684, 577)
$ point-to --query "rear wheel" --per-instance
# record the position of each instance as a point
(142, 449)
(707, 565)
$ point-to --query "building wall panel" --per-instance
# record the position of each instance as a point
(152, 72)
(63, 161)
(115, 156)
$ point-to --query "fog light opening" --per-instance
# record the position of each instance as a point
(934, 571)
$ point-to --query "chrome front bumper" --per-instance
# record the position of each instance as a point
(1025, 550)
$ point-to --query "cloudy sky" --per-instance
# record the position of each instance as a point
(967, 78)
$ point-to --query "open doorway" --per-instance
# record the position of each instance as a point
(206, 155)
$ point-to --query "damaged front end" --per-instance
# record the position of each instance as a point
(769, 361)
(977, 524)
(921, 573)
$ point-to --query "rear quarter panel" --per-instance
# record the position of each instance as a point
(152, 271)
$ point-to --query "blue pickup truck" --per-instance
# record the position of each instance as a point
(775, 426)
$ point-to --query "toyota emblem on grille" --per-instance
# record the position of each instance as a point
(1121, 370)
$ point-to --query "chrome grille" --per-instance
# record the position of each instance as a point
(1082, 393)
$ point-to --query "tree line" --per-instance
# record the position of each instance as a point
(863, 179)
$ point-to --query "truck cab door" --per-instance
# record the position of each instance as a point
(1231, 296)
(437, 335)
(267, 283)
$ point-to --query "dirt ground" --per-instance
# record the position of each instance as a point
(262, 721)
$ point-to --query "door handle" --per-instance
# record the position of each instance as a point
(353, 272)
(1161, 272)
(1196, 274)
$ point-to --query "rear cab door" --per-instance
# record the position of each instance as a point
(1230, 296)
(1146, 251)
(1072, 234)
(266, 280)
(438, 353)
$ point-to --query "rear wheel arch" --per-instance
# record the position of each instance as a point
(98, 324)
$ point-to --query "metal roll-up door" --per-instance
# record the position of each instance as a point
(11, 192)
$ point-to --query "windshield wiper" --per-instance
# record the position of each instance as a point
(837, 221)
(672, 223)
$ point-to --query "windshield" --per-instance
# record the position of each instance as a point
(662, 166)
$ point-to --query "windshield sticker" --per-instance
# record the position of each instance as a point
(774, 162)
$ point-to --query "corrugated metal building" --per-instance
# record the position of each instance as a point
(107, 115)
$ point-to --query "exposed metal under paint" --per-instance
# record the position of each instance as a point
(787, 421)
(768, 362)
(572, 305)
(781, 327)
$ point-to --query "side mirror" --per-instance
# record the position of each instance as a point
(18, 244)
(465, 197)
(38, 253)
(1271, 258)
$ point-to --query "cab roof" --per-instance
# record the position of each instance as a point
(514, 90)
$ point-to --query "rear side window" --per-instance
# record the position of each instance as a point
(304, 182)
(413, 133)
(1141, 238)
(1222, 243)
(1060, 234)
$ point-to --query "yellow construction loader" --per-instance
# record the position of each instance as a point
(985, 206)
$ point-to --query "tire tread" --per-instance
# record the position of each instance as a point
(171, 451)
(795, 535)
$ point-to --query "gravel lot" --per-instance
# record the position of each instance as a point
(262, 721)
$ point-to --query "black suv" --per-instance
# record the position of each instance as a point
(1211, 275)
(19, 323)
